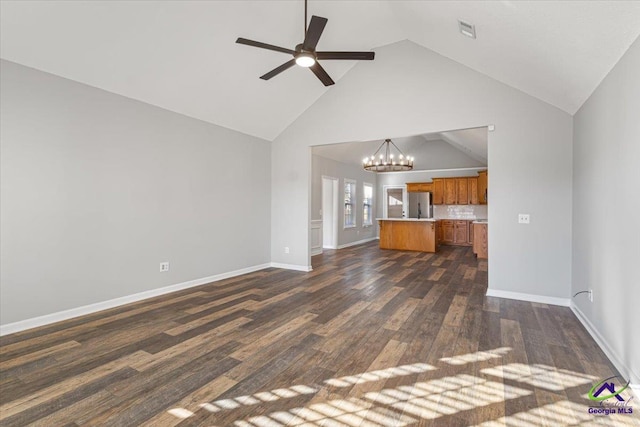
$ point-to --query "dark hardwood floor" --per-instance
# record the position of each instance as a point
(369, 338)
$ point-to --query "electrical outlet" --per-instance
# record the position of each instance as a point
(286, 249)
(591, 295)
(523, 219)
(164, 267)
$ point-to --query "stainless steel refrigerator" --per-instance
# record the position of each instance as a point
(420, 205)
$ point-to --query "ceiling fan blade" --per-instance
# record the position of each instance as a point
(316, 26)
(367, 56)
(321, 74)
(264, 45)
(279, 69)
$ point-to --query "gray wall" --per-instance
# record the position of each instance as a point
(98, 189)
(606, 203)
(323, 166)
(439, 154)
(530, 157)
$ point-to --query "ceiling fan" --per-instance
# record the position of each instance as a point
(305, 54)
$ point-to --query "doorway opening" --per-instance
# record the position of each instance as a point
(330, 193)
(394, 201)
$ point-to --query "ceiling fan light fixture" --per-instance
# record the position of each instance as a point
(305, 59)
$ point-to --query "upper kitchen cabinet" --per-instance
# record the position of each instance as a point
(438, 191)
(468, 190)
(483, 187)
(419, 187)
(473, 191)
(450, 191)
(462, 191)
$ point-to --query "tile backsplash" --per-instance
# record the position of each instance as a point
(460, 211)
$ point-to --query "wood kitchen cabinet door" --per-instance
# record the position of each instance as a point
(462, 191)
(470, 233)
(473, 191)
(438, 191)
(483, 186)
(447, 232)
(481, 241)
(413, 187)
(461, 232)
(450, 191)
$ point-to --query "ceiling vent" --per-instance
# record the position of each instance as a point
(467, 29)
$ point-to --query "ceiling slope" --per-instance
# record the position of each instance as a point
(181, 55)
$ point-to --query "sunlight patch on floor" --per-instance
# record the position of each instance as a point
(381, 374)
(350, 412)
(445, 396)
(428, 400)
(478, 356)
(543, 376)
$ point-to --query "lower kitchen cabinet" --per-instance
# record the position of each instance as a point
(481, 240)
(455, 232)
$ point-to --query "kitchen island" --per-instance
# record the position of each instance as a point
(408, 234)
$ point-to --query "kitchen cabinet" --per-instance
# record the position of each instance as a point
(462, 191)
(455, 232)
(450, 191)
(473, 191)
(461, 232)
(408, 235)
(483, 187)
(419, 187)
(481, 240)
(447, 231)
(438, 191)
(454, 191)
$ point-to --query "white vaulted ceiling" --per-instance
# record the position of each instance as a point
(181, 55)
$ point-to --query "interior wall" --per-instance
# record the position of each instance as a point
(323, 166)
(606, 231)
(98, 189)
(529, 156)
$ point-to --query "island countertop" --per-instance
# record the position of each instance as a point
(406, 219)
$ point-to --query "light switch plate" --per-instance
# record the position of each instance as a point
(523, 219)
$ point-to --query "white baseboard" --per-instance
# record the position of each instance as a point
(564, 302)
(359, 242)
(305, 268)
(59, 316)
(625, 371)
(317, 251)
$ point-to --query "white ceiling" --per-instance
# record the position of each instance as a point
(443, 150)
(181, 55)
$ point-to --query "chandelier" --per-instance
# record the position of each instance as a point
(386, 162)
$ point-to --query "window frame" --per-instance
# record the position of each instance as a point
(364, 205)
(353, 203)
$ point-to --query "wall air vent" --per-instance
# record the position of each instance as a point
(467, 29)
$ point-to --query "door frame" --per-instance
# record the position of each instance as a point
(385, 213)
(333, 226)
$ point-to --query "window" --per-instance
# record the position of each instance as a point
(349, 203)
(367, 205)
